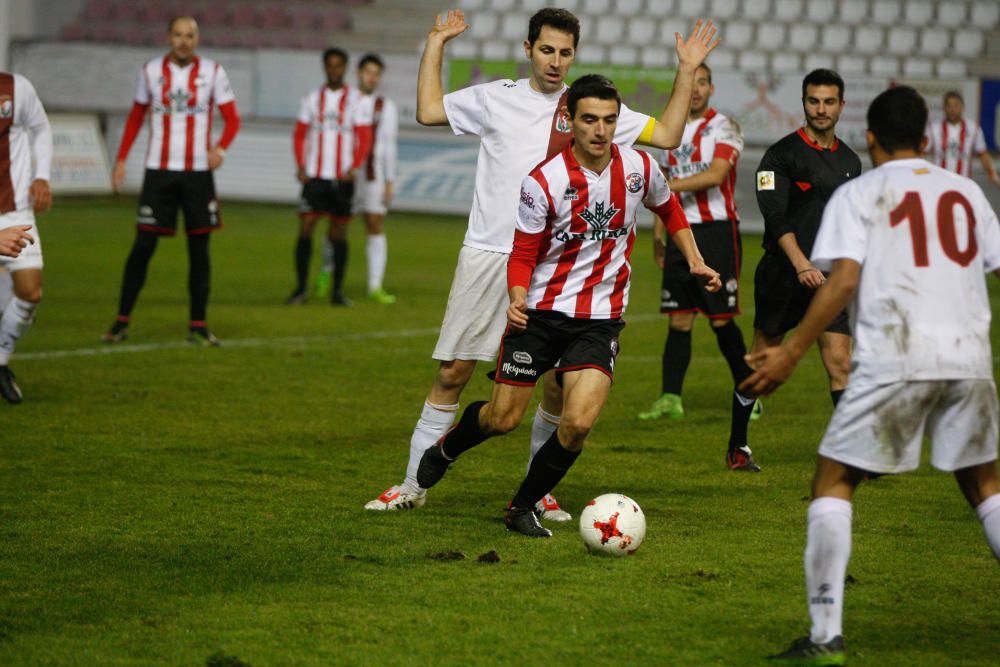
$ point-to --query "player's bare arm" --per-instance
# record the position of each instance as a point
(659, 242)
(430, 92)
(775, 365)
(991, 171)
(669, 130)
(41, 195)
(517, 311)
(706, 180)
(807, 274)
(14, 239)
(684, 240)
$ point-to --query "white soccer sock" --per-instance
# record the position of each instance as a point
(327, 252)
(542, 428)
(377, 250)
(6, 289)
(433, 424)
(17, 318)
(828, 548)
(989, 514)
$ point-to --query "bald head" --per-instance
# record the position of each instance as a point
(183, 35)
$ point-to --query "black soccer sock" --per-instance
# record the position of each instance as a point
(739, 421)
(339, 263)
(135, 271)
(547, 469)
(303, 253)
(466, 434)
(199, 275)
(835, 396)
(676, 358)
(730, 340)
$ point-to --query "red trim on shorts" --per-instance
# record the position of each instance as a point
(584, 366)
(204, 230)
(340, 219)
(499, 380)
(164, 231)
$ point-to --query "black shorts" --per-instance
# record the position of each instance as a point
(781, 300)
(553, 340)
(720, 245)
(163, 192)
(331, 198)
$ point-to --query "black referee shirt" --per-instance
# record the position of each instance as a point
(795, 179)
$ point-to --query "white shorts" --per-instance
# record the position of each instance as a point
(476, 316)
(31, 256)
(880, 427)
(369, 196)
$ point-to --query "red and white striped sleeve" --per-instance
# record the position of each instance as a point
(664, 203)
(529, 229)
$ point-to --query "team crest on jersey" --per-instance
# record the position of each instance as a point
(683, 152)
(6, 106)
(600, 216)
(571, 194)
(634, 182)
(562, 121)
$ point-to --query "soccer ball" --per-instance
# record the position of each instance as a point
(612, 524)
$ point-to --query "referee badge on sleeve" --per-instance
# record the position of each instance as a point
(765, 180)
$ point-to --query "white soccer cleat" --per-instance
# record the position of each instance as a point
(394, 498)
(548, 508)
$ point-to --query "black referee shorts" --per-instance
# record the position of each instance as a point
(164, 192)
(720, 245)
(781, 301)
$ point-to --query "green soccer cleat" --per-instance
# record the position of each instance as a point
(324, 280)
(758, 410)
(668, 405)
(382, 297)
(804, 651)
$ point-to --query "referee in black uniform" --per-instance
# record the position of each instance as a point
(795, 179)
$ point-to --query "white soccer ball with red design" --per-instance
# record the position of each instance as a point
(612, 524)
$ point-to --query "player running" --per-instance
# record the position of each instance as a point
(330, 143)
(24, 135)
(795, 179)
(180, 91)
(703, 170)
(520, 124)
(568, 281)
(906, 245)
(953, 141)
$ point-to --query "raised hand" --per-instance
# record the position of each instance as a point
(453, 25)
(699, 44)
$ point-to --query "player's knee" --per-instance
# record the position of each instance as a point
(499, 423)
(682, 322)
(573, 431)
(719, 322)
(30, 294)
(453, 376)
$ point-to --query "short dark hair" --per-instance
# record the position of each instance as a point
(592, 85)
(559, 19)
(371, 58)
(823, 77)
(898, 118)
(334, 51)
(707, 69)
(954, 93)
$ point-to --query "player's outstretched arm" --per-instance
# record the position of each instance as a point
(691, 53)
(14, 239)
(775, 365)
(430, 92)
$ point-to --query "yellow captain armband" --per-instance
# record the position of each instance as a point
(647, 133)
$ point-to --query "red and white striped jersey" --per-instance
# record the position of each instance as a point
(952, 145)
(714, 136)
(24, 129)
(384, 119)
(335, 122)
(182, 100)
(575, 230)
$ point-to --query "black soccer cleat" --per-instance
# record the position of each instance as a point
(523, 520)
(338, 299)
(741, 459)
(8, 387)
(804, 651)
(433, 466)
(203, 337)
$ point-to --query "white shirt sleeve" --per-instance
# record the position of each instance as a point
(305, 110)
(842, 232)
(630, 126)
(142, 92)
(979, 142)
(466, 109)
(988, 228)
(659, 191)
(223, 91)
(31, 114)
(388, 131)
(730, 135)
(533, 209)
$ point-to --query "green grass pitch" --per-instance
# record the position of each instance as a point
(177, 505)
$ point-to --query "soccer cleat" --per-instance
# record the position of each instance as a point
(298, 298)
(433, 466)
(740, 458)
(804, 651)
(8, 387)
(202, 336)
(324, 281)
(338, 299)
(380, 296)
(668, 405)
(116, 334)
(758, 410)
(395, 498)
(523, 520)
(548, 508)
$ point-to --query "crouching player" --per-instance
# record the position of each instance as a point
(568, 281)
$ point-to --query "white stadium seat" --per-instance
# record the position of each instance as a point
(884, 66)
(752, 61)
(483, 25)
(669, 27)
(624, 8)
(853, 12)
(821, 11)
(622, 55)
(787, 10)
(803, 37)
(723, 9)
(771, 36)
(786, 62)
(902, 41)
(641, 31)
(465, 5)
(813, 61)
(918, 67)
(849, 64)
(951, 13)
(660, 8)
(985, 15)
(658, 56)
(951, 68)
(756, 10)
(934, 41)
(514, 27)
(885, 12)
(498, 50)
(835, 38)
(691, 9)
(968, 43)
(918, 12)
(463, 48)
(868, 39)
(592, 54)
(533, 6)
(738, 34)
(610, 30)
(722, 59)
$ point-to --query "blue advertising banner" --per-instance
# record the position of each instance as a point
(989, 111)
